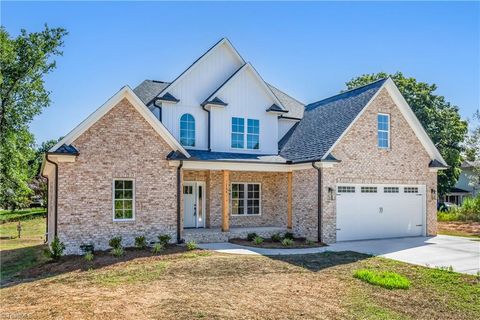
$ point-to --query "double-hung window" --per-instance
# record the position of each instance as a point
(123, 199)
(249, 138)
(383, 130)
(245, 198)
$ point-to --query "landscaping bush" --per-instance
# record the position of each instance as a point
(55, 251)
(191, 245)
(287, 242)
(115, 242)
(276, 237)
(157, 248)
(140, 242)
(258, 240)
(288, 235)
(117, 251)
(468, 211)
(88, 256)
(251, 236)
(385, 279)
(164, 239)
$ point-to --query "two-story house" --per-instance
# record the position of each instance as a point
(219, 152)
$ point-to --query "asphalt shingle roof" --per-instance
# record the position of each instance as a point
(67, 149)
(149, 89)
(295, 108)
(205, 155)
(324, 122)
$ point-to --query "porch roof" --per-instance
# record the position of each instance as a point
(205, 155)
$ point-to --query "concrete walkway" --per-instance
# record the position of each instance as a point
(463, 254)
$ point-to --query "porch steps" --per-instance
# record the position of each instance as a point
(208, 235)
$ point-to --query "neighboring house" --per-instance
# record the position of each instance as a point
(218, 152)
(465, 186)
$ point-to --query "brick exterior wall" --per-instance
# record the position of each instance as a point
(120, 145)
(406, 162)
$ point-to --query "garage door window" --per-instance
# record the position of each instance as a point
(346, 189)
(390, 190)
(410, 190)
(369, 189)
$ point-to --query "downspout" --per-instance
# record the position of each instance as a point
(179, 190)
(48, 187)
(159, 110)
(319, 200)
(208, 131)
(56, 194)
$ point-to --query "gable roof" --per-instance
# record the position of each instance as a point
(127, 93)
(149, 89)
(201, 58)
(236, 74)
(325, 123)
(294, 107)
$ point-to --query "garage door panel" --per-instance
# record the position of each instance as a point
(379, 215)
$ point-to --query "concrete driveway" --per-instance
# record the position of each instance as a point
(462, 254)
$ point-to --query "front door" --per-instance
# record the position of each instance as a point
(193, 204)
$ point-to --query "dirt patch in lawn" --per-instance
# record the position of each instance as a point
(269, 244)
(459, 228)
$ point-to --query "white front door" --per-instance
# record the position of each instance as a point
(193, 204)
(366, 211)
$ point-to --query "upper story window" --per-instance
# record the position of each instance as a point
(252, 135)
(187, 130)
(383, 130)
(123, 199)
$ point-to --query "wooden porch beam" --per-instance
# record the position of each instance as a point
(289, 201)
(225, 202)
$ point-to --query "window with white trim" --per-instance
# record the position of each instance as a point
(410, 190)
(346, 189)
(390, 189)
(245, 139)
(383, 130)
(187, 130)
(245, 198)
(123, 199)
(369, 189)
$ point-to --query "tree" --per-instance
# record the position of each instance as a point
(472, 152)
(440, 119)
(24, 61)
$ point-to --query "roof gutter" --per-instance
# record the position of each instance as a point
(179, 190)
(319, 202)
(208, 124)
(55, 214)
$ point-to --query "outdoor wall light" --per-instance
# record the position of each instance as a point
(433, 192)
(331, 194)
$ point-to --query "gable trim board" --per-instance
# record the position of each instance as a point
(201, 58)
(409, 116)
(127, 93)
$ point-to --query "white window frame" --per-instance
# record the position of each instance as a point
(387, 131)
(245, 134)
(245, 207)
(194, 130)
(133, 199)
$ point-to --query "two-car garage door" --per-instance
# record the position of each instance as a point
(367, 211)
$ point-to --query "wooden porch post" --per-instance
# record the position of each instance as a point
(289, 201)
(225, 204)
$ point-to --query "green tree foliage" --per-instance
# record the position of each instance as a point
(24, 61)
(472, 152)
(440, 119)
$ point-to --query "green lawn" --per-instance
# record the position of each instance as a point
(23, 214)
(17, 254)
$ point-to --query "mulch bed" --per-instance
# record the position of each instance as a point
(298, 243)
(468, 228)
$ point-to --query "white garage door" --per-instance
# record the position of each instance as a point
(367, 211)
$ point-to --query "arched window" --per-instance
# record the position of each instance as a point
(187, 130)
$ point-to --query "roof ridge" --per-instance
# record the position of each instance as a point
(271, 85)
(344, 92)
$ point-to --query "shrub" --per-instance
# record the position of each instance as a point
(117, 251)
(251, 236)
(468, 211)
(287, 242)
(55, 251)
(164, 239)
(309, 242)
(87, 248)
(276, 237)
(88, 256)
(385, 279)
(258, 240)
(140, 242)
(115, 242)
(288, 235)
(157, 248)
(191, 245)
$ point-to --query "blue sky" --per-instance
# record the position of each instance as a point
(307, 49)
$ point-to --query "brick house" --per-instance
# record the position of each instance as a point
(218, 152)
